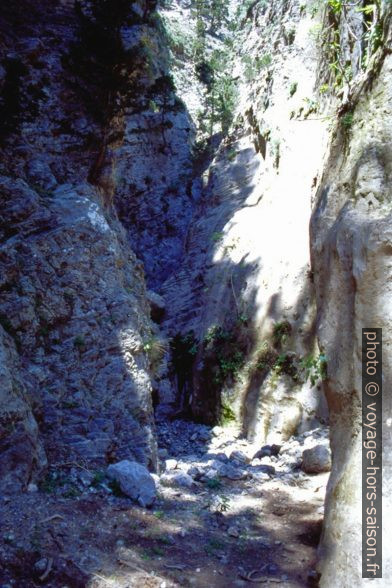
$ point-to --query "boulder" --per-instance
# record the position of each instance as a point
(134, 480)
(316, 460)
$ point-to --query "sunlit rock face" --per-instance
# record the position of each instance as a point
(246, 268)
(351, 256)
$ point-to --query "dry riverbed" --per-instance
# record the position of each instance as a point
(231, 521)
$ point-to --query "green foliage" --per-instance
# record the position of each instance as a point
(347, 120)
(281, 332)
(52, 481)
(212, 67)
(275, 152)
(230, 366)
(72, 492)
(266, 358)
(101, 60)
(253, 67)
(212, 13)
(337, 12)
(219, 14)
(99, 477)
(221, 95)
(231, 154)
(227, 415)
(244, 12)
(155, 349)
(213, 483)
(190, 343)
(224, 504)
(177, 40)
(159, 514)
(225, 356)
(217, 236)
(293, 88)
(314, 368)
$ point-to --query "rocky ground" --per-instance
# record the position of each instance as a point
(221, 517)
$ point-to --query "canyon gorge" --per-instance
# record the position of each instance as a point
(195, 203)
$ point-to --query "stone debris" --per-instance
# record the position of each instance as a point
(180, 479)
(316, 459)
(211, 466)
(134, 480)
(233, 532)
(171, 464)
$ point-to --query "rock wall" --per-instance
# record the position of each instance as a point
(21, 453)
(73, 301)
(243, 293)
(351, 257)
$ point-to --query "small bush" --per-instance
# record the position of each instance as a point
(281, 333)
(293, 88)
(227, 415)
(213, 483)
(347, 120)
(314, 368)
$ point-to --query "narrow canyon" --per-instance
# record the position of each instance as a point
(195, 203)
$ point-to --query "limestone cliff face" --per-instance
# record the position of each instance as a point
(351, 252)
(74, 312)
(244, 288)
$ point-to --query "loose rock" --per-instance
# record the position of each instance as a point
(135, 481)
(180, 479)
(316, 460)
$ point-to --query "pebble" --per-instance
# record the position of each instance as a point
(232, 473)
(171, 464)
(180, 479)
(41, 565)
(261, 476)
(233, 532)
(239, 456)
(211, 474)
(32, 487)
